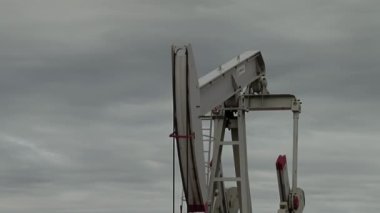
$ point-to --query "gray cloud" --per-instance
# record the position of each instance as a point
(85, 99)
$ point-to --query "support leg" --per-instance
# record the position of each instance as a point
(246, 206)
(216, 162)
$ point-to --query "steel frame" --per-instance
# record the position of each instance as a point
(234, 88)
(239, 143)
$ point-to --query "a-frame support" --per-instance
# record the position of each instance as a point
(241, 162)
(235, 121)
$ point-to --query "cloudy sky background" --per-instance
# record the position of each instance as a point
(85, 99)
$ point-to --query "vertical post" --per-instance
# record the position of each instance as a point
(246, 206)
(295, 150)
(210, 139)
(236, 152)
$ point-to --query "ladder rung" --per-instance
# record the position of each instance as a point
(222, 143)
(227, 179)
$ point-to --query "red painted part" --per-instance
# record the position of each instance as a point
(296, 202)
(197, 208)
(281, 162)
(174, 135)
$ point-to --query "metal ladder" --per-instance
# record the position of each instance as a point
(207, 140)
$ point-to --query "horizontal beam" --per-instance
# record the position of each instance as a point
(272, 102)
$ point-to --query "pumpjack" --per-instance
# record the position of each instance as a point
(223, 97)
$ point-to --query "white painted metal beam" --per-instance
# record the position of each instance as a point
(229, 79)
(272, 102)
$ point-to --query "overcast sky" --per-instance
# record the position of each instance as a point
(86, 108)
